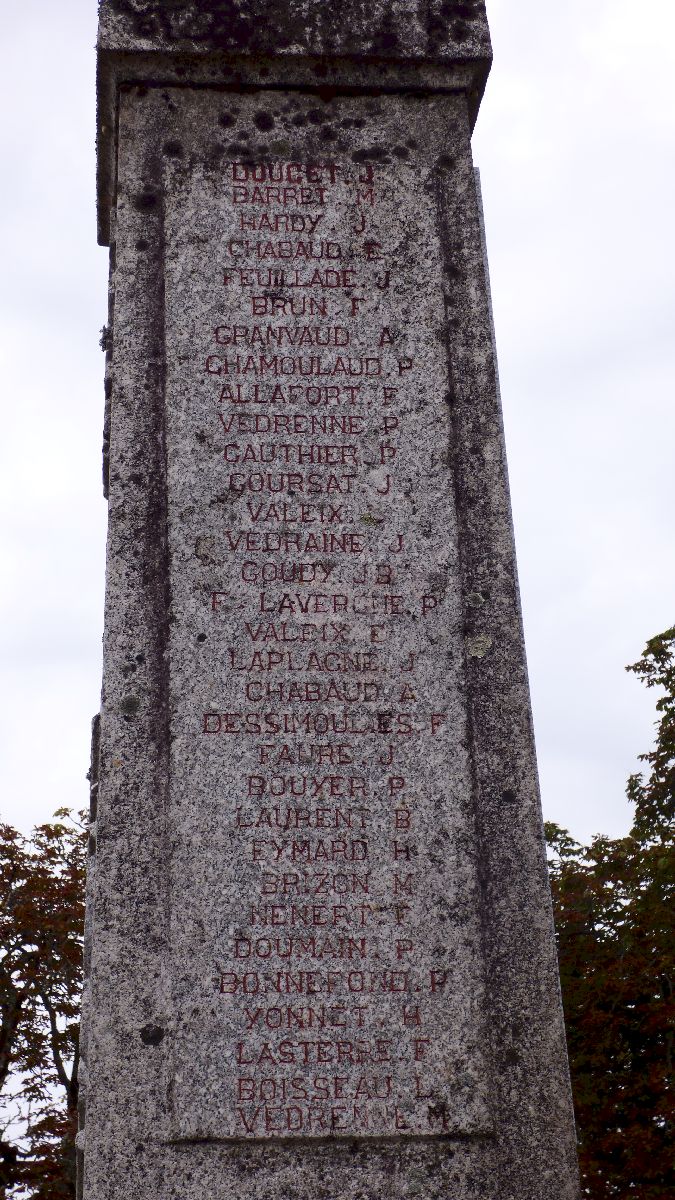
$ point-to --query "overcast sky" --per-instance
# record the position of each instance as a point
(575, 144)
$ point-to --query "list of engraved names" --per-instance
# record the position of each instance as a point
(328, 947)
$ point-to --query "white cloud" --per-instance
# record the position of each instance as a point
(581, 264)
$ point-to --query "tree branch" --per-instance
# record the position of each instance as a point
(61, 1072)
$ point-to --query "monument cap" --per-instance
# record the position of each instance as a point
(354, 45)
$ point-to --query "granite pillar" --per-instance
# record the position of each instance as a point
(320, 952)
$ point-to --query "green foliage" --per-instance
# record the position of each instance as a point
(41, 929)
(614, 904)
(654, 798)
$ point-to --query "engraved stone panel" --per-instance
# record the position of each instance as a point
(327, 961)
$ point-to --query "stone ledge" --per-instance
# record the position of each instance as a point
(438, 30)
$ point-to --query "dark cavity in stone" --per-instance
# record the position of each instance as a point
(371, 154)
(143, 201)
(152, 1035)
(263, 120)
(385, 36)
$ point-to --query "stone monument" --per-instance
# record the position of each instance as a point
(320, 959)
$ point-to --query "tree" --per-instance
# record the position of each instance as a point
(41, 931)
(614, 905)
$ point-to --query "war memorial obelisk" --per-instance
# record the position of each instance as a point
(320, 956)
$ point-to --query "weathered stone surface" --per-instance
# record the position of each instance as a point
(308, 475)
(321, 948)
(441, 29)
(438, 46)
